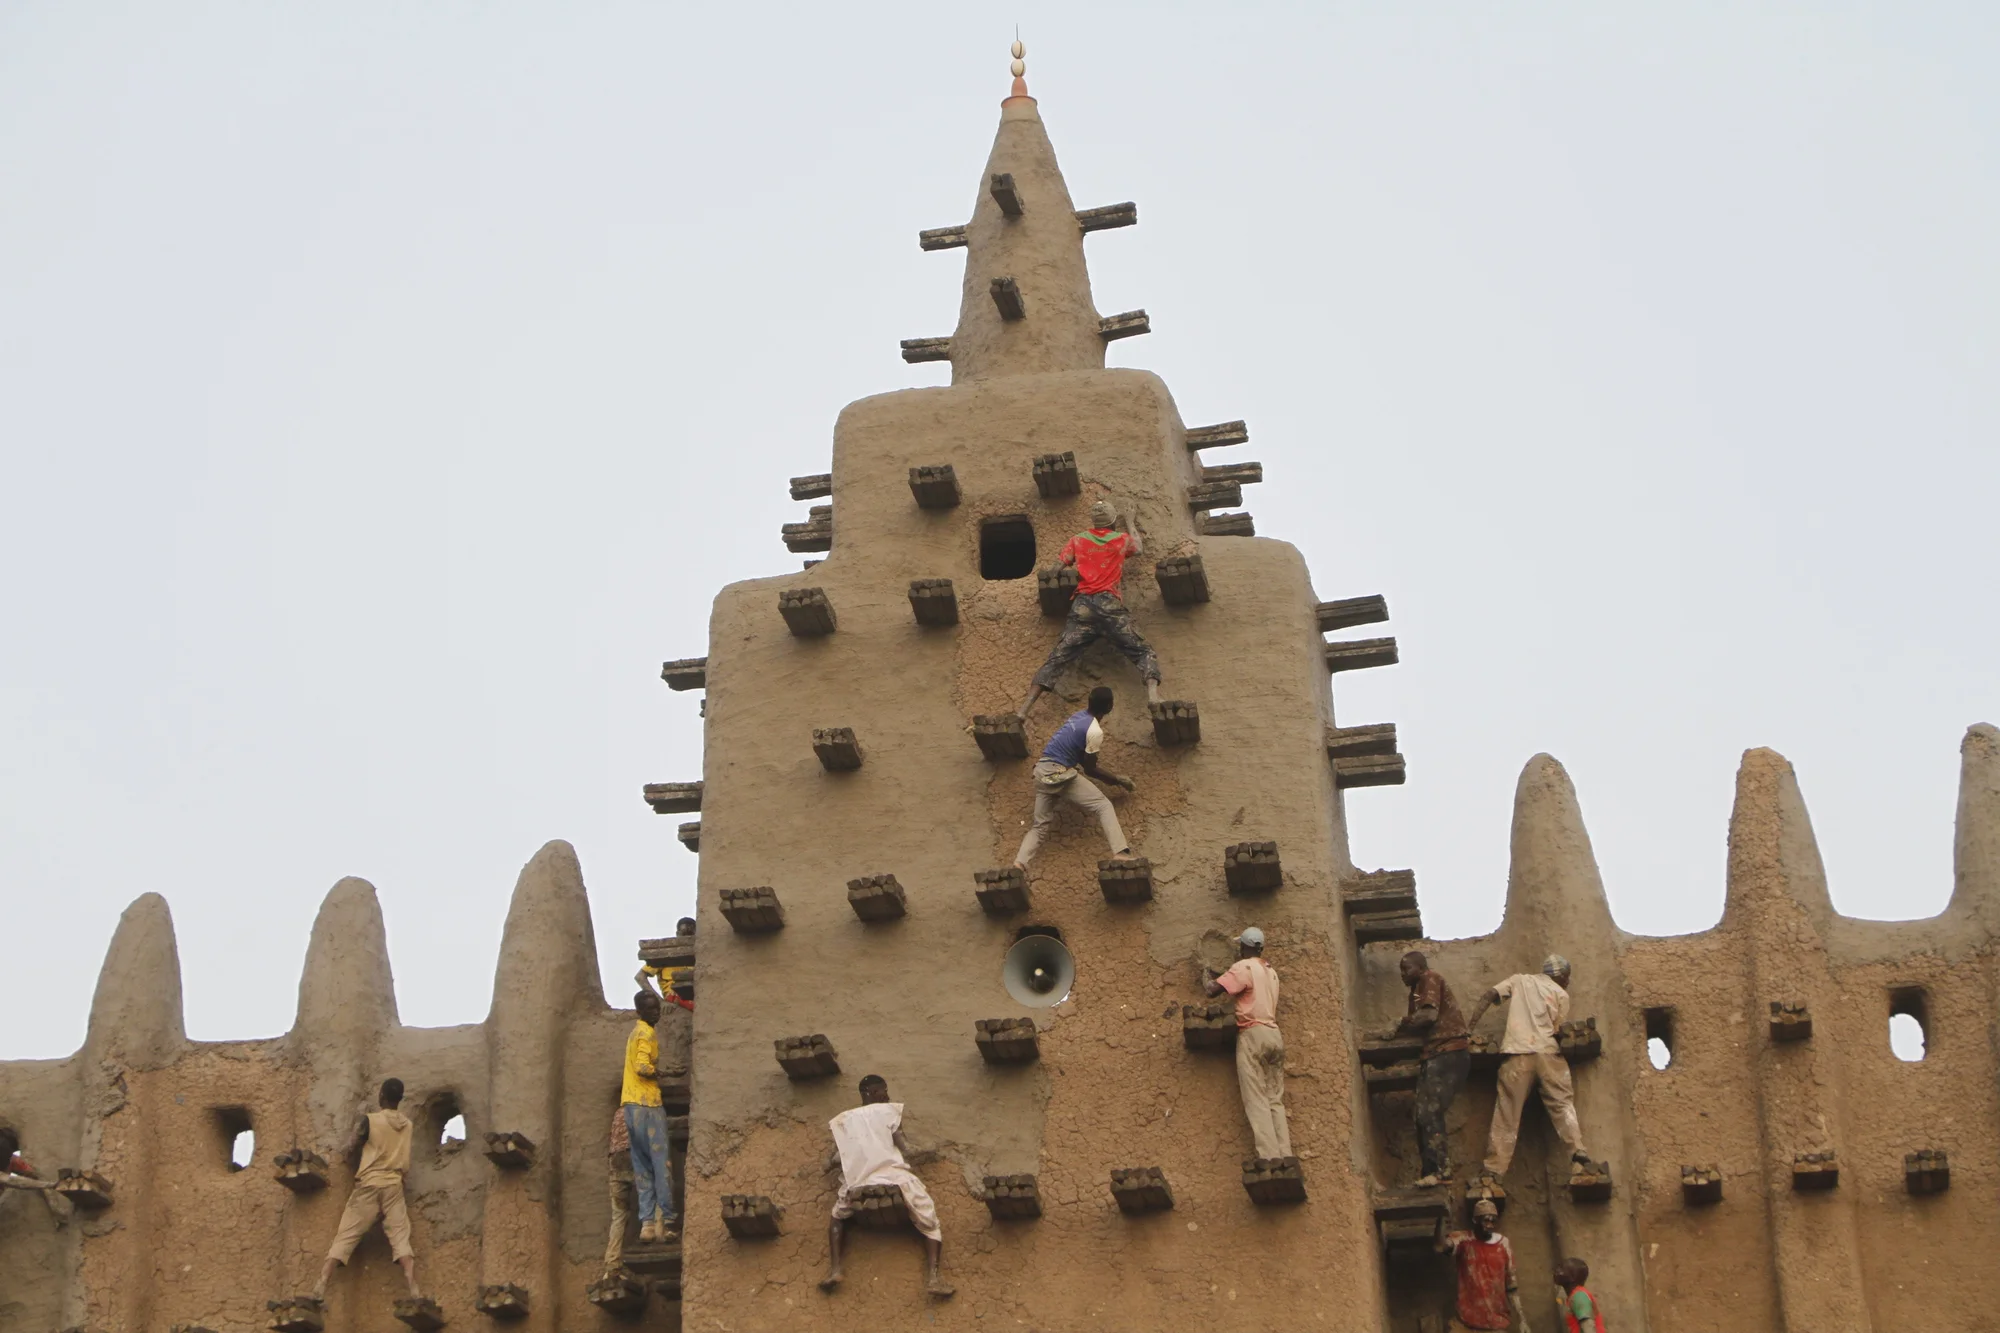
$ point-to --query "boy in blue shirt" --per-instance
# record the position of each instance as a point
(1063, 773)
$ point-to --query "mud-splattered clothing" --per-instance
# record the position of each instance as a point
(1099, 557)
(865, 1138)
(1485, 1276)
(1093, 616)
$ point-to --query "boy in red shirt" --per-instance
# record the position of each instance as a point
(1096, 610)
(1489, 1297)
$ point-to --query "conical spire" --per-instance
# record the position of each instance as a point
(347, 1000)
(1774, 861)
(1027, 234)
(1555, 894)
(136, 1015)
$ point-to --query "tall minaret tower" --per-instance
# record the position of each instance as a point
(905, 649)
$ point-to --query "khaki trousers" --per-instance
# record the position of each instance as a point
(1260, 1077)
(621, 1211)
(1084, 792)
(364, 1205)
(1518, 1074)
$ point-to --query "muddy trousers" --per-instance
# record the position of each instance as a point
(1443, 1078)
(652, 1162)
(621, 1212)
(1080, 790)
(1518, 1075)
(1260, 1077)
(1094, 616)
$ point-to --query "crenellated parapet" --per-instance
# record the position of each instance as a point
(175, 1234)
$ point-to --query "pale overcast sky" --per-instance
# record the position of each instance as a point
(386, 389)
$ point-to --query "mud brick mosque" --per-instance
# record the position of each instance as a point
(863, 789)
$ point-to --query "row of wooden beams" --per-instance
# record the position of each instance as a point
(1089, 219)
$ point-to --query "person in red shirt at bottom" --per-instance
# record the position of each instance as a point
(1578, 1306)
(1097, 608)
(1489, 1297)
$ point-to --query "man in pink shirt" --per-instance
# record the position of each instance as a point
(1260, 1050)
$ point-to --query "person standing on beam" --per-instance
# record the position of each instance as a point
(1260, 1050)
(1531, 1058)
(1097, 607)
(1060, 775)
(1447, 1060)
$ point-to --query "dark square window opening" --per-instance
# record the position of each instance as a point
(1006, 547)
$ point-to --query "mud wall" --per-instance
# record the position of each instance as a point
(190, 1240)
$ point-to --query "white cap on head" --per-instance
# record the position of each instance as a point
(1555, 964)
(1251, 935)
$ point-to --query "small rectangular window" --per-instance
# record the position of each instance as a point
(1909, 1023)
(1660, 1037)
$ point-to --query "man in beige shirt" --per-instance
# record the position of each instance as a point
(384, 1140)
(1260, 1050)
(1530, 1058)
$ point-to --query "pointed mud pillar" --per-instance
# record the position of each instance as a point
(1777, 902)
(1041, 249)
(347, 1001)
(546, 978)
(1556, 904)
(136, 1028)
(1975, 893)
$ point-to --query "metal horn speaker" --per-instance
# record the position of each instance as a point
(1039, 971)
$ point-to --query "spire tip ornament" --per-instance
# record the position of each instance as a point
(1018, 69)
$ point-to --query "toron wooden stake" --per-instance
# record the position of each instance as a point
(750, 1216)
(876, 898)
(752, 911)
(837, 749)
(1360, 654)
(673, 798)
(934, 602)
(1000, 736)
(1128, 881)
(689, 673)
(1001, 892)
(807, 612)
(807, 1057)
(619, 1293)
(1183, 580)
(1012, 1198)
(1107, 217)
(504, 1301)
(1141, 1189)
(1210, 1026)
(510, 1150)
(1270, 1180)
(1790, 1020)
(935, 487)
(1218, 436)
(1252, 867)
(1006, 1041)
(1380, 891)
(1175, 721)
(1007, 299)
(1701, 1185)
(1056, 476)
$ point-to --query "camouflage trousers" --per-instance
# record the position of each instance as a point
(1099, 615)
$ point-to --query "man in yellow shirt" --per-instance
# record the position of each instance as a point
(384, 1140)
(646, 1125)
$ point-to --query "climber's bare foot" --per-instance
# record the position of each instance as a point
(940, 1289)
(832, 1281)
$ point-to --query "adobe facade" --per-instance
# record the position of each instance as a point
(1754, 1098)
